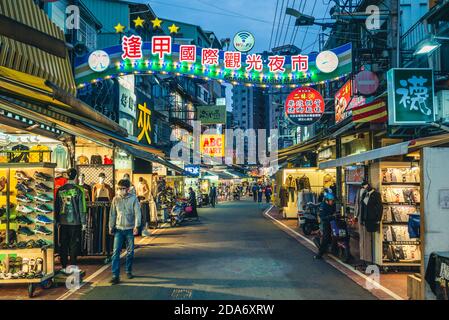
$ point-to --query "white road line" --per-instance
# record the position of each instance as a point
(67, 294)
(347, 266)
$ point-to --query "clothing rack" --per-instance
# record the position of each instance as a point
(96, 240)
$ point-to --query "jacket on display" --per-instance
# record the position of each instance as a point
(372, 211)
(303, 183)
(70, 205)
(290, 182)
(283, 197)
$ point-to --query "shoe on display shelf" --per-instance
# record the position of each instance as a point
(42, 176)
(24, 198)
(20, 175)
(43, 209)
(24, 209)
(43, 198)
(24, 220)
(42, 230)
(25, 231)
(42, 187)
(43, 219)
(22, 187)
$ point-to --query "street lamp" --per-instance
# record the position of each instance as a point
(306, 20)
(429, 45)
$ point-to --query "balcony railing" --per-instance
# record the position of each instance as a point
(417, 33)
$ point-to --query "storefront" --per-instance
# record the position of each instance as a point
(396, 172)
(294, 187)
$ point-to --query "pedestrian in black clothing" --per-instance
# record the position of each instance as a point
(268, 193)
(259, 193)
(192, 203)
(213, 196)
(326, 213)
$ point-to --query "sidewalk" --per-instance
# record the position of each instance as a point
(394, 282)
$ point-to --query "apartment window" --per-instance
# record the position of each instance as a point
(243, 114)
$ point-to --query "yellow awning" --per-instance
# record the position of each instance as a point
(26, 85)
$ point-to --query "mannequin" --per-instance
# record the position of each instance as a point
(143, 190)
(101, 190)
(86, 187)
(368, 211)
(132, 189)
(291, 187)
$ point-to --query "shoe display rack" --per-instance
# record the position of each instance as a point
(399, 185)
(27, 223)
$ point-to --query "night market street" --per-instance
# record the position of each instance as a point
(234, 252)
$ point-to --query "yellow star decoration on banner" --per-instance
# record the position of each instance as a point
(138, 22)
(119, 28)
(173, 28)
(156, 23)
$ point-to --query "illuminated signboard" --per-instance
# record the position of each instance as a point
(163, 56)
(304, 106)
(212, 145)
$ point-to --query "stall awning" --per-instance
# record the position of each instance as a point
(389, 151)
(220, 175)
(139, 152)
(28, 88)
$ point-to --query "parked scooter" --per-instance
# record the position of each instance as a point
(340, 238)
(310, 218)
(178, 213)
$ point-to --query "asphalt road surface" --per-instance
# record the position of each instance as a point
(234, 252)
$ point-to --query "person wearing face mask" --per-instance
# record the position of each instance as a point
(124, 223)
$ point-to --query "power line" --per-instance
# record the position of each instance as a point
(297, 28)
(307, 29)
(279, 23)
(288, 24)
(283, 21)
(274, 20)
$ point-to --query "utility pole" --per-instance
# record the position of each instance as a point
(394, 24)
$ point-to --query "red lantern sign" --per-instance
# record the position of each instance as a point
(304, 106)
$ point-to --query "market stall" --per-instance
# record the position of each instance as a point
(294, 187)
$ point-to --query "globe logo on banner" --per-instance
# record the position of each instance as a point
(304, 106)
(99, 61)
(244, 41)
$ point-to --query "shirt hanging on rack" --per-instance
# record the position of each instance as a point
(59, 156)
(82, 159)
(20, 156)
(96, 159)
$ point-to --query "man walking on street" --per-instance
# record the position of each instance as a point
(254, 190)
(213, 195)
(124, 223)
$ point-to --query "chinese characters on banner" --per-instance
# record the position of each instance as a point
(212, 145)
(410, 96)
(162, 45)
(304, 106)
(342, 98)
(144, 123)
(211, 114)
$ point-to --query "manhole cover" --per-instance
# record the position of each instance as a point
(181, 294)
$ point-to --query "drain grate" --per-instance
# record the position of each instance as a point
(181, 294)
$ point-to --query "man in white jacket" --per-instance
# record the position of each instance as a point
(124, 222)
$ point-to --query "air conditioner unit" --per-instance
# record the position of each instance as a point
(443, 105)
